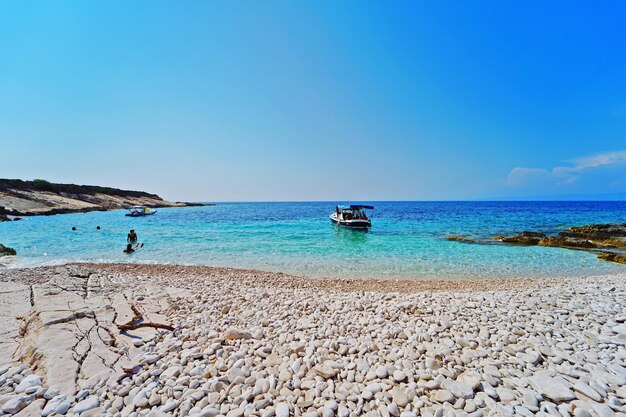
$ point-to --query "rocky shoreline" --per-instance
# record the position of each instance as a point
(155, 340)
(41, 198)
(607, 240)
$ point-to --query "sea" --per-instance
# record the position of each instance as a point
(407, 239)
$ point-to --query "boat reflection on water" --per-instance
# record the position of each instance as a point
(350, 235)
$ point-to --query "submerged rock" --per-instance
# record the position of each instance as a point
(568, 242)
(613, 257)
(461, 239)
(524, 238)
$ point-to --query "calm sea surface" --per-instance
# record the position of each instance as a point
(406, 240)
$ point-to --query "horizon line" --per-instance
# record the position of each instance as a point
(415, 201)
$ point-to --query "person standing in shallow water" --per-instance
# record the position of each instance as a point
(132, 237)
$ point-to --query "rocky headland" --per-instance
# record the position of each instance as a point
(607, 240)
(39, 197)
(153, 340)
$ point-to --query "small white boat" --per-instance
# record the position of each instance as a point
(140, 211)
(353, 216)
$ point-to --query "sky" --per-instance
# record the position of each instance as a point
(317, 100)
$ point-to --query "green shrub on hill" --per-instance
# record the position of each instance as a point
(43, 185)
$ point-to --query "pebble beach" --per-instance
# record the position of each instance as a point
(155, 340)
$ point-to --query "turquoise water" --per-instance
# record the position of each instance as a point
(406, 240)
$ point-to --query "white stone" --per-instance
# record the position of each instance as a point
(602, 410)
(282, 410)
(469, 379)
(374, 387)
(458, 389)
(87, 404)
(581, 412)
(343, 411)
(235, 334)
(550, 387)
(587, 391)
(169, 406)
(15, 404)
(325, 371)
(399, 397)
(443, 396)
(29, 381)
(324, 412)
(399, 376)
(52, 405)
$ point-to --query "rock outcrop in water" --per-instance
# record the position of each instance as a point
(598, 231)
(6, 251)
(523, 238)
(569, 242)
(455, 238)
(613, 257)
(39, 197)
(593, 237)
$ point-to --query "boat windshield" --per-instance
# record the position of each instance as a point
(354, 214)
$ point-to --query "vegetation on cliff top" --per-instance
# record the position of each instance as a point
(7, 185)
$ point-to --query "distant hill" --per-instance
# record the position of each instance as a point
(40, 197)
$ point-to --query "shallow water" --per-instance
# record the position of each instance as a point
(406, 240)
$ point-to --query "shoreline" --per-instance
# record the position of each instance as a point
(20, 198)
(59, 211)
(350, 284)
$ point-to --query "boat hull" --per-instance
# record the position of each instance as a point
(352, 224)
(140, 214)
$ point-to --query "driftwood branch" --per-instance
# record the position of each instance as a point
(130, 326)
(138, 314)
(136, 322)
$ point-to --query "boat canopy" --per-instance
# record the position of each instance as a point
(355, 207)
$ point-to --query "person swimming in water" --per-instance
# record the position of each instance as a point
(132, 237)
(131, 249)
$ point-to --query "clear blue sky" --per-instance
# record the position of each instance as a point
(318, 100)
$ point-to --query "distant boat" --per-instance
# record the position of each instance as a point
(140, 211)
(353, 216)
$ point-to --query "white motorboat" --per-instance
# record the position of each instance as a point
(353, 216)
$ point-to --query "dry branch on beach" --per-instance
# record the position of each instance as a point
(137, 322)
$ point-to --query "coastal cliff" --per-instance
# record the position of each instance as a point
(39, 197)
